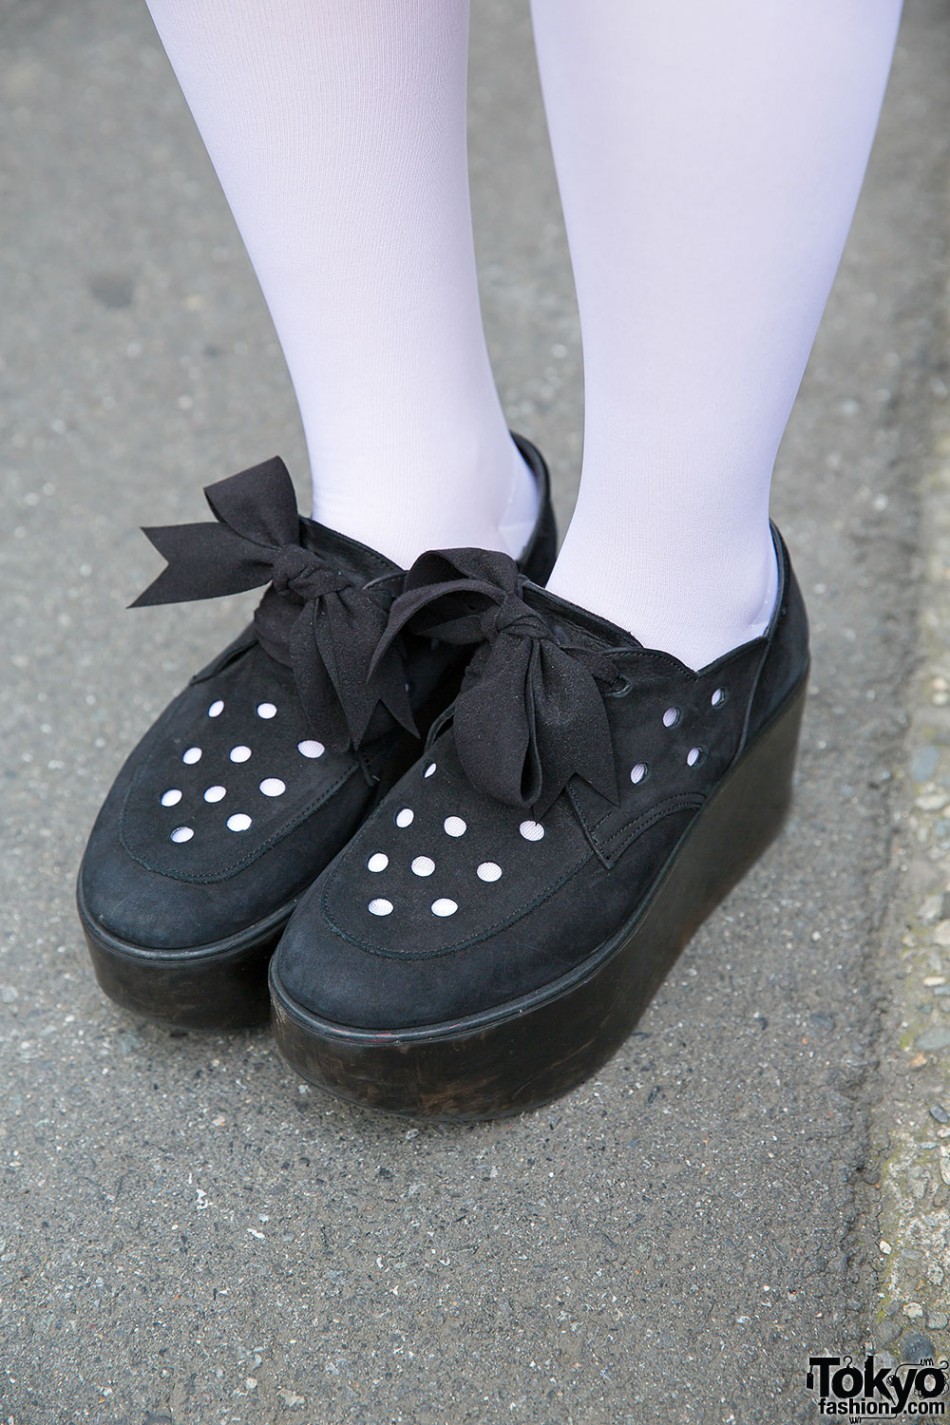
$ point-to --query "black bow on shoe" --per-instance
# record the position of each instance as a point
(530, 715)
(330, 640)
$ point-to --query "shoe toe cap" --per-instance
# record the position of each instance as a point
(223, 814)
(149, 910)
(329, 976)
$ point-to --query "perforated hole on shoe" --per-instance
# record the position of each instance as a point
(639, 773)
(380, 907)
(489, 871)
(266, 710)
(240, 821)
(216, 794)
(443, 906)
(311, 748)
(216, 708)
(239, 754)
(531, 830)
(405, 817)
(455, 826)
(192, 756)
(429, 770)
(273, 787)
(182, 833)
(718, 698)
(423, 866)
(695, 755)
(671, 717)
(171, 798)
(377, 862)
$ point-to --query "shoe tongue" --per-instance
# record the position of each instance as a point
(347, 554)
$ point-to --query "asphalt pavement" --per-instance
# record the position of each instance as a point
(188, 1235)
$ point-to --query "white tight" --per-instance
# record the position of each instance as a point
(709, 154)
(338, 131)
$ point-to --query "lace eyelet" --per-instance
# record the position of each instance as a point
(625, 686)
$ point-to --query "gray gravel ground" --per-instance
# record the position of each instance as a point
(908, 1222)
(189, 1236)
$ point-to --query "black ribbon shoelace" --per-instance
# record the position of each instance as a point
(530, 714)
(329, 641)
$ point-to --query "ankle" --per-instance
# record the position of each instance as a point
(698, 610)
(467, 496)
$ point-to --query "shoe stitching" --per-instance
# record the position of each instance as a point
(232, 868)
(615, 845)
(476, 939)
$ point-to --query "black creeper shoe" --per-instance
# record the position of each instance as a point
(496, 927)
(261, 770)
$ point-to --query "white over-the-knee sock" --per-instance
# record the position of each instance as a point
(709, 158)
(338, 131)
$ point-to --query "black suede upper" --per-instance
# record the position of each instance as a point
(237, 797)
(449, 902)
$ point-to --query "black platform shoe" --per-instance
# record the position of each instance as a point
(496, 927)
(260, 771)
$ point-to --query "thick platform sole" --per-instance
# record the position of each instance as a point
(533, 1049)
(220, 986)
